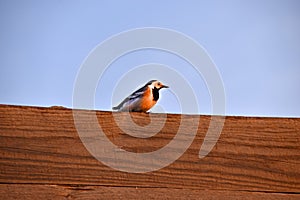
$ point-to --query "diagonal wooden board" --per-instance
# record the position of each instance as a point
(40, 148)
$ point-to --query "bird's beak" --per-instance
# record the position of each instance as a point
(164, 86)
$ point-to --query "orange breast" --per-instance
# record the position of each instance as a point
(147, 101)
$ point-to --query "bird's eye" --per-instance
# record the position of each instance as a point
(158, 84)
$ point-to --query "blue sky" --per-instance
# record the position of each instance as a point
(255, 45)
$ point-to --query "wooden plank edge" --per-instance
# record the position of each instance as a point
(45, 191)
(56, 107)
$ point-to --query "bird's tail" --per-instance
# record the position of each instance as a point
(116, 108)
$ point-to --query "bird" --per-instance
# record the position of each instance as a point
(142, 99)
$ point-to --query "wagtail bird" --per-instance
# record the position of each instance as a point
(143, 99)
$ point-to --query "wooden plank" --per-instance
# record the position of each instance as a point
(32, 192)
(41, 146)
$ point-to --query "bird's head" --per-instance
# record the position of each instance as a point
(156, 84)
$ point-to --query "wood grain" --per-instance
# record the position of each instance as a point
(41, 147)
(29, 192)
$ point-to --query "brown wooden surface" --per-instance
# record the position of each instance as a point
(41, 154)
(26, 191)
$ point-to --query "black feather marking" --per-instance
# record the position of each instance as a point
(150, 82)
(138, 93)
(155, 94)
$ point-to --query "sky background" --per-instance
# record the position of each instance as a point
(255, 45)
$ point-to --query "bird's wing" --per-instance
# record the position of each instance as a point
(131, 98)
(139, 93)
